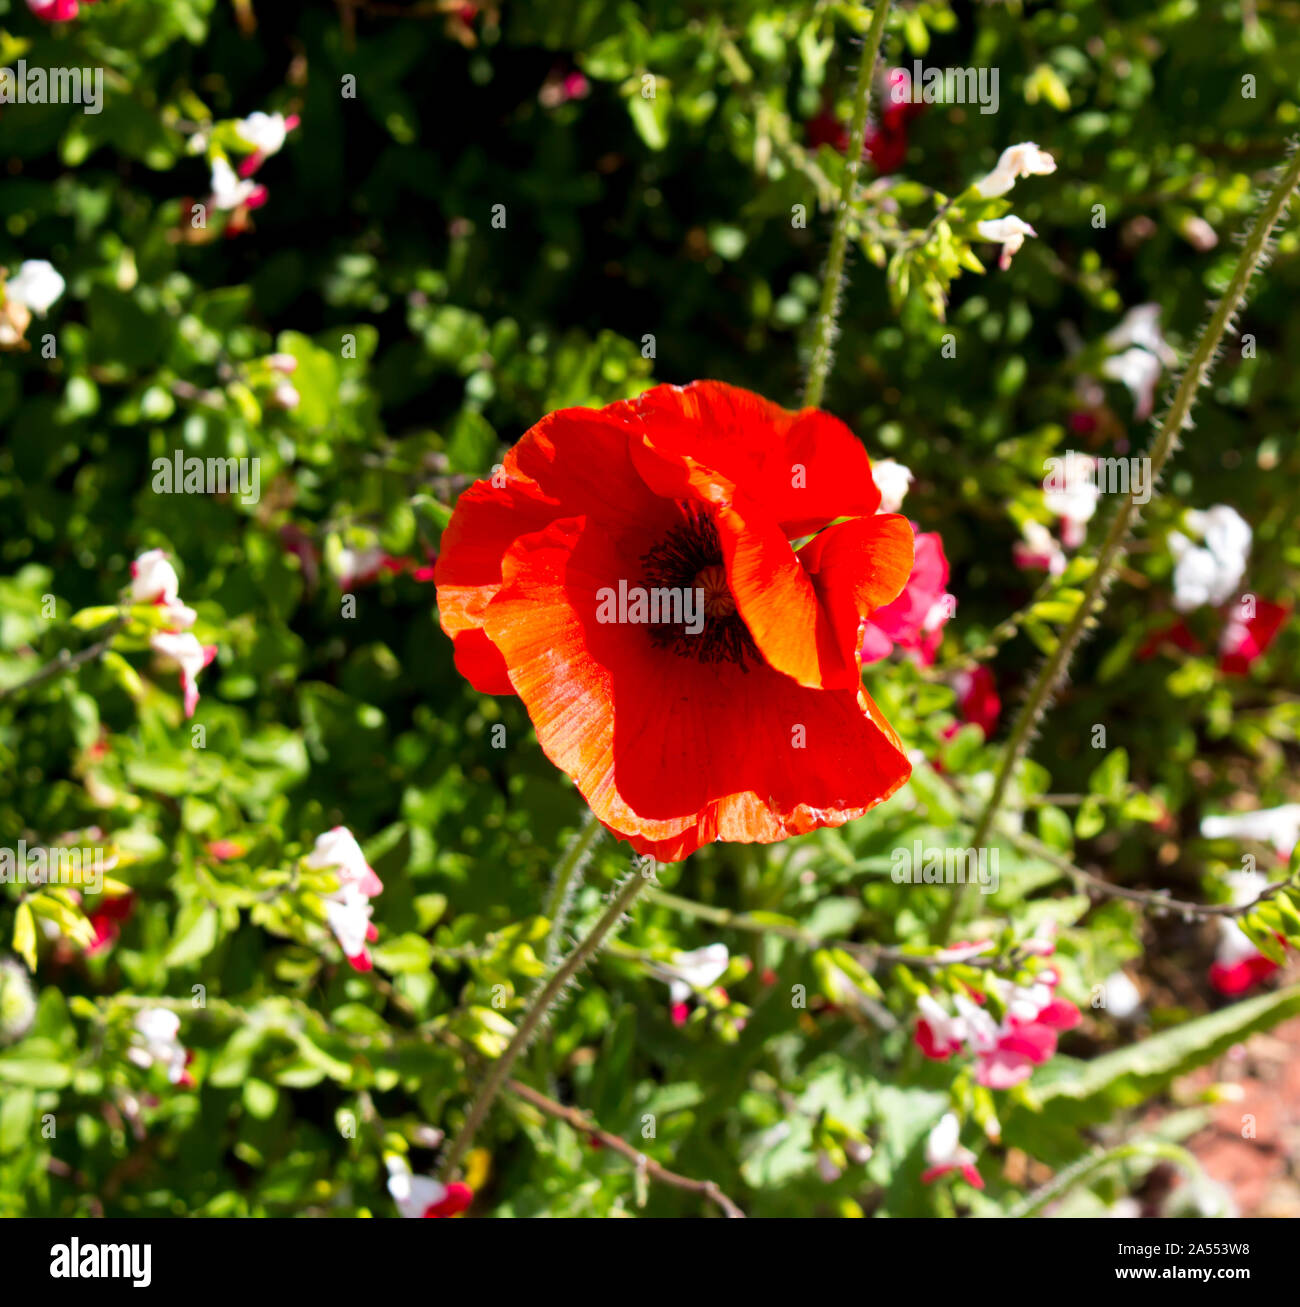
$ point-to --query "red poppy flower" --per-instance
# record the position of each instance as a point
(629, 573)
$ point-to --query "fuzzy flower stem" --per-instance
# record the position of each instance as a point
(1087, 1167)
(566, 883)
(819, 364)
(536, 1014)
(1111, 554)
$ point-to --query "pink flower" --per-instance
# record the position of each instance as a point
(1038, 551)
(977, 698)
(189, 655)
(56, 11)
(419, 1196)
(265, 133)
(1178, 634)
(105, 920)
(1238, 965)
(361, 566)
(1006, 1052)
(224, 850)
(230, 192)
(1009, 232)
(1234, 978)
(915, 619)
(347, 909)
(944, 1153)
(153, 579)
(298, 542)
(1245, 639)
(689, 974)
(938, 1035)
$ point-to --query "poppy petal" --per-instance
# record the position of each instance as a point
(807, 468)
(744, 754)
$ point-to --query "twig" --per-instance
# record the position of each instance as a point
(579, 1121)
(66, 662)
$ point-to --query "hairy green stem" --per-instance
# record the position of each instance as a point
(1087, 1167)
(536, 1014)
(565, 885)
(1110, 555)
(819, 363)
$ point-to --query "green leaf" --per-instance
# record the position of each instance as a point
(1073, 1093)
(196, 934)
(24, 941)
(1110, 777)
(404, 953)
(90, 619)
(38, 1062)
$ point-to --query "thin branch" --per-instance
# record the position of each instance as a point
(579, 1121)
(67, 662)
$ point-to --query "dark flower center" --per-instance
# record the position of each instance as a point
(689, 560)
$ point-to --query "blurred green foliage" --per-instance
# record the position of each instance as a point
(426, 340)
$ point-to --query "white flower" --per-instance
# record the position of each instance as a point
(1199, 234)
(943, 1150)
(1073, 496)
(1279, 827)
(285, 395)
(189, 655)
(35, 286)
(689, 972)
(1122, 997)
(1009, 232)
(1138, 371)
(228, 192)
(338, 850)
(153, 578)
(892, 480)
(1140, 326)
(1038, 549)
(1210, 574)
(155, 1031)
(1141, 354)
(265, 132)
(946, 1032)
(357, 566)
(348, 912)
(1016, 161)
(347, 909)
(416, 1194)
